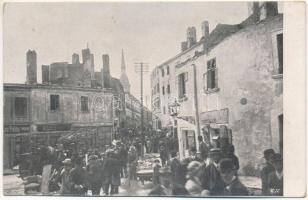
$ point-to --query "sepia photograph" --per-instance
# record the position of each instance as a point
(181, 99)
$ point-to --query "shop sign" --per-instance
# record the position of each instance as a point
(13, 129)
(53, 127)
(216, 116)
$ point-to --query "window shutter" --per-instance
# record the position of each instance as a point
(208, 76)
(216, 78)
(186, 76)
(205, 81)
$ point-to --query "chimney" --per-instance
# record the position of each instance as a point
(106, 71)
(253, 8)
(85, 55)
(268, 9)
(191, 36)
(75, 59)
(205, 29)
(31, 67)
(45, 74)
(183, 46)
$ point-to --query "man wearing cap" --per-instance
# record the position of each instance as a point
(232, 185)
(94, 175)
(267, 169)
(204, 150)
(210, 178)
(275, 180)
(64, 176)
(164, 188)
(78, 178)
(193, 155)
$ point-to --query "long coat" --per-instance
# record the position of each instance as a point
(78, 177)
(111, 171)
(211, 180)
(236, 188)
(275, 185)
(267, 169)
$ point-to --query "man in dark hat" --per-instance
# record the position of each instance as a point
(275, 179)
(193, 155)
(232, 185)
(204, 149)
(78, 178)
(267, 169)
(164, 188)
(210, 178)
(94, 174)
(64, 177)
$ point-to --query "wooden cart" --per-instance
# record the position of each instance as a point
(145, 175)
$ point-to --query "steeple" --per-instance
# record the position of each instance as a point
(124, 79)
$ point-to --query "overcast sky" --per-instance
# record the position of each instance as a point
(148, 32)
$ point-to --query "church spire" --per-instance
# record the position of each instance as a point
(123, 63)
(124, 79)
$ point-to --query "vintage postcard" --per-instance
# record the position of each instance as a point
(151, 99)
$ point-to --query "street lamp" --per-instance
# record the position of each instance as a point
(174, 108)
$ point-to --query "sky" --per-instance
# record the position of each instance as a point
(147, 32)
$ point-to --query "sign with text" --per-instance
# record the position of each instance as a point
(53, 127)
(215, 116)
(13, 129)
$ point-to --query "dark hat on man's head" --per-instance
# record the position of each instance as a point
(226, 165)
(268, 152)
(277, 157)
(215, 151)
(93, 157)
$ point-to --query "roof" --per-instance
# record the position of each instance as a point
(220, 32)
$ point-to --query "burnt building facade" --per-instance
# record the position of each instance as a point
(231, 77)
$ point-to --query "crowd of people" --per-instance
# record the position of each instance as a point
(95, 171)
(209, 172)
(214, 172)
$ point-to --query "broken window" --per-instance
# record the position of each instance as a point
(168, 89)
(212, 74)
(84, 104)
(20, 107)
(182, 79)
(54, 102)
(279, 38)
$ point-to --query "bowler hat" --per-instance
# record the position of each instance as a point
(226, 165)
(268, 152)
(277, 157)
(215, 151)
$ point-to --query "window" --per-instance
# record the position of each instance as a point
(182, 79)
(54, 102)
(211, 74)
(20, 107)
(164, 110)
(279, 38)
(167, 70)
(157, 87)
(84, 102)
(168, 89)
(163, 89)
(162, 72)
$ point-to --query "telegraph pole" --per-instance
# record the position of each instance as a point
(141, 68)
